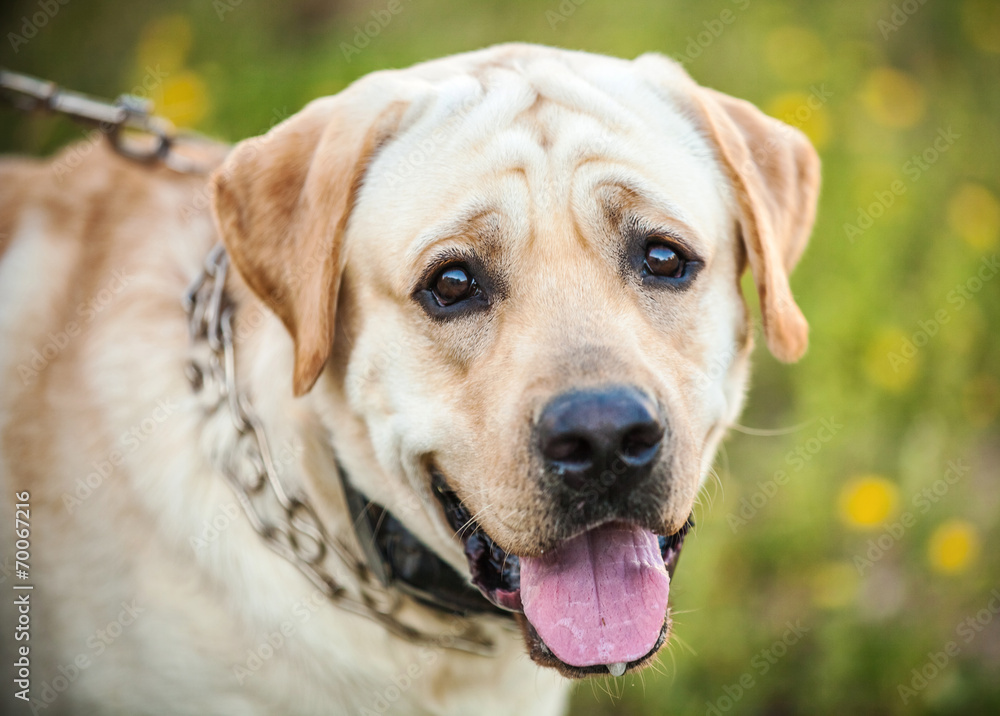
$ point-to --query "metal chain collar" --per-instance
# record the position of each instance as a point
(297, 535)
(128, 122)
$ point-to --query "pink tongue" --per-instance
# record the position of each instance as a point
(600, 598)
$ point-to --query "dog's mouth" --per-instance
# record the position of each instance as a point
(594, 605)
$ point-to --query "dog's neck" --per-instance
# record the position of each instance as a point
(390, 553)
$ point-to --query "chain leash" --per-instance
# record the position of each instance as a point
(298, 535)
(128, 122)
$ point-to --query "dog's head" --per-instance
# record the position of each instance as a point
(521, 268)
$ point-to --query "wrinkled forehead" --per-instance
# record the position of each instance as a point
(542, 142)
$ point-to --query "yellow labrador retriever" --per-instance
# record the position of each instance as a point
(434, 418)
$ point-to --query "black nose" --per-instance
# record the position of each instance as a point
(609, 436)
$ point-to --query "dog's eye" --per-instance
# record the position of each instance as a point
(662, 260)
(666, 263)
(453, 284)
(454, 287)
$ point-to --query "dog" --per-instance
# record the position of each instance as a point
(427, 434)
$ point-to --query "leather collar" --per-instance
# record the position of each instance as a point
(401, 561)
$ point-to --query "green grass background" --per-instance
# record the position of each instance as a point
(233, 68)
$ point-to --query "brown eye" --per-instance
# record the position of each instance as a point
(661, 260)
(453, 284)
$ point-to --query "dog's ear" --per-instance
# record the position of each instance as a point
(282, 202)
(775, 174)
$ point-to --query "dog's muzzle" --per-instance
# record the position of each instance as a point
(634, 564)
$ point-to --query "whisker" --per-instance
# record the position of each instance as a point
(471, 521)
(763, 432)
(675, 612)
(659, 667)
(681, 643)
(724, 459)
(378, 525)
(710, 496)
(602, 684)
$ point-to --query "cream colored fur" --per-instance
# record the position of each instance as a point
(532, 137)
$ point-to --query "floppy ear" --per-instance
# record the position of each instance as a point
(282, 202)
(775, 173)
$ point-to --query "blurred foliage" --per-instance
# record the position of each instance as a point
(833, 559)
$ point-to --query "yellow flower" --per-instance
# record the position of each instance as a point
(893, 98)
(953, 547)
(805, 112)
(974, 214)
(867, 501)
(183, 99)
